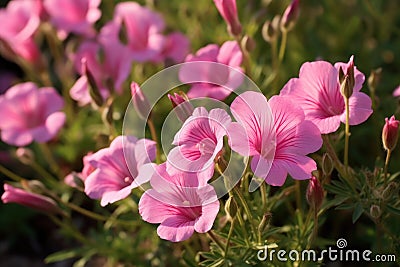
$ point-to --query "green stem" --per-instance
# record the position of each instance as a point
(229, 237)
(246, 208)
(282, 48)
(49, 156)
(298, 194)
(385, 169)
(67, 227)
(347, 135)
(153, 133)
(10, 174)
(214, 238)
(263, 191)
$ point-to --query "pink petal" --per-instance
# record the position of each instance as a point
(277, 174)
(16, 137)
(176, 229)
(153, 210)
(360, 108)
(114, 196)
(205, 222)
(260, 166)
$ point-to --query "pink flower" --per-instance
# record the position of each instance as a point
(118, 167)
(108, 61)
(390, 133)
(228, 10)
(143, 28)
(30, 114)
(278, 142)
(176, 47)
(140, 102)
(317, 92)
(216, 81)
(396, 92)
(35, 201)
(73, 16)
(88, 168)
(19, 22)
(181, 202)
(199, 141)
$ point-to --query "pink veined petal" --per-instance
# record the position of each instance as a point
(260, 166)
(205, 222)
(239, 140)
(176, 229)
(252, 111)
(101, 181)
(219, 121)
(277, 174)
(328, 124)
(307, 139)
(359, 107)
(145, 172)
(301, 169)
(152, 210)
(145, 152)
(113, 196)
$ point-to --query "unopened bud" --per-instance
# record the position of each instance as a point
(390, 191)
(107, 113)
(248, 43)
(315, 193)
(390, 133)
(25, 155)
(140, 102)
(264, 222)
(231, 208)
(270, 29)
(327, 164)
(33, 186)
(182, 106)
(374, 78)
(228, 10)
(375, 211)
(290, 16)
(347, 80)
(94, 90)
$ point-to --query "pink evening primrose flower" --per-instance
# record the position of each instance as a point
(115, 176)
(199, 141)
(176, 47)
(73, 16)
(180, 202)
(30, 114)
(19, 22)
(317, 92)
(224, 80)
(143, 28)
(228, 10)
(277, 142)
(35, 201)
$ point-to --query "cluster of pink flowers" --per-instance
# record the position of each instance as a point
(277, 134)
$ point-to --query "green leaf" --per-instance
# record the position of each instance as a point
(358, 210)
(393, 210)
(63, 255)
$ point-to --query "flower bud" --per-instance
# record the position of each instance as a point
(290, 16)
(375, 211)
(33, 186)
(228, 10)
(94, 90)
(231, 208)
(327, 164)
(264, 222)
(107, 113)
(182, 106)
(248, 43)
(270, 29)
(25, 155)
(347, 80)
(35, 201)
(390, 191)
(390, 133)
(374, 78)
(315, 193)
(140, 102)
